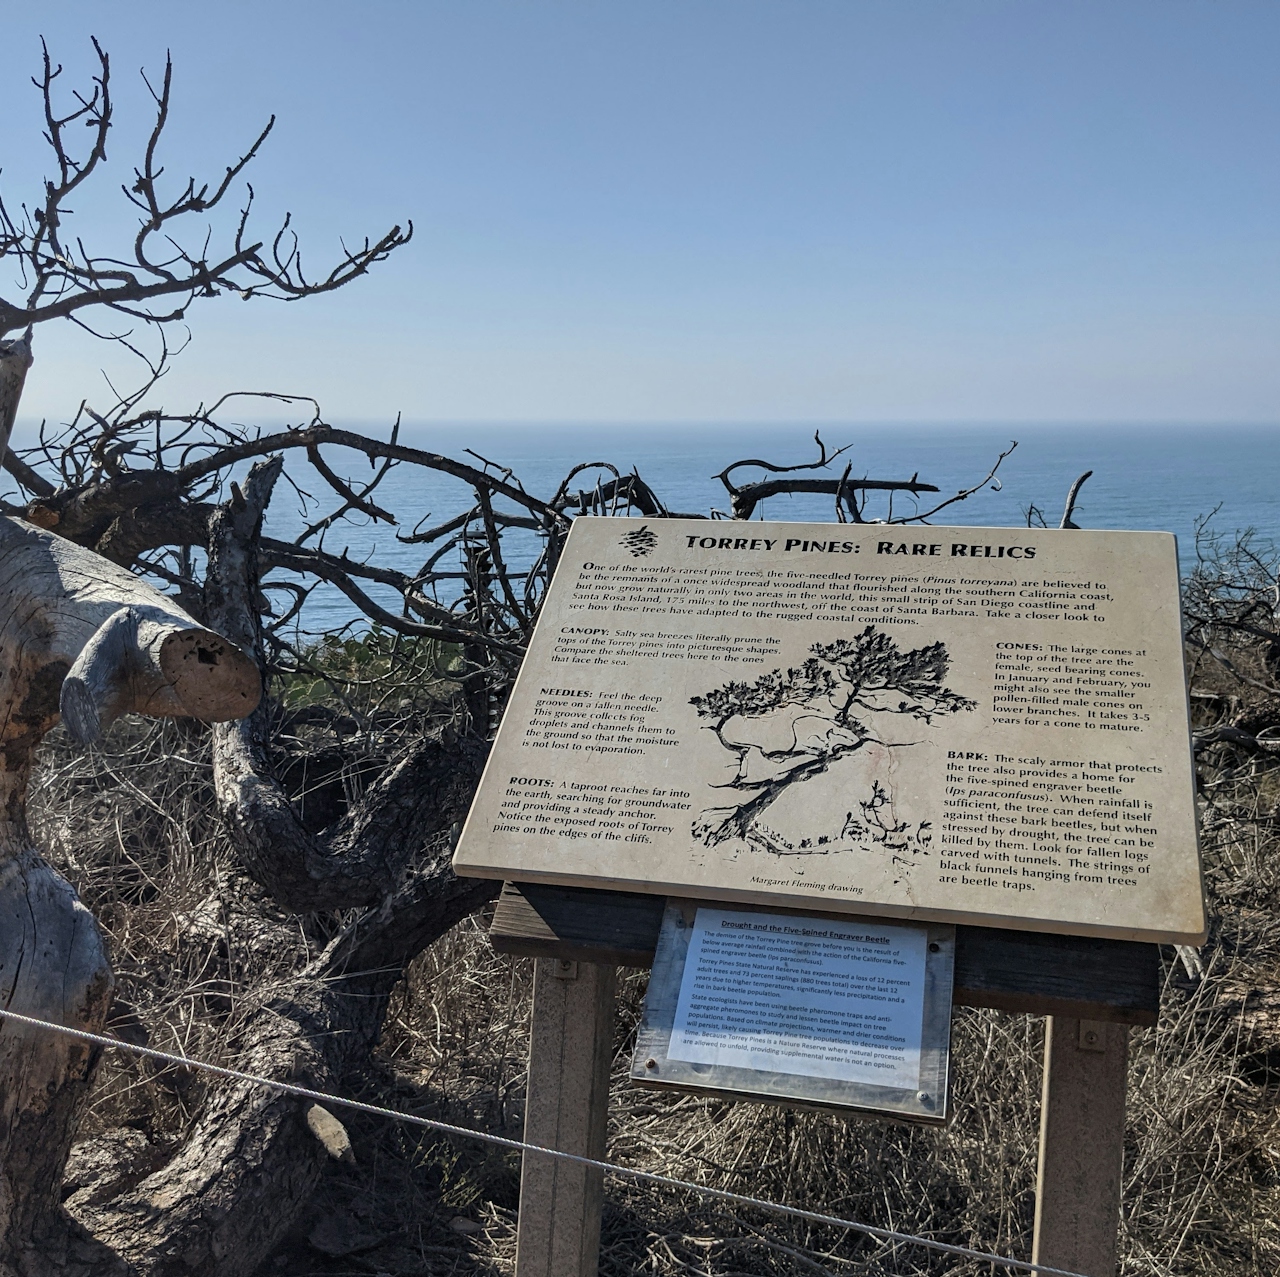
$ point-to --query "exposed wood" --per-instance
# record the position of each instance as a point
(331, 1133)
(15, 359)
(149, 660)
(1081, 1146)
(80, 634)
(53, 966)
(74, 623)
(570, 1049)
(1017, 971)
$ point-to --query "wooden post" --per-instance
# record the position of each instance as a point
(1081, 1145)
(1062, 977)
(566, 1108)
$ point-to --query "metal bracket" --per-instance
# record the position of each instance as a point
(1093, 1036)
(565, 970)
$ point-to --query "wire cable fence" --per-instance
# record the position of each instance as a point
(520, 1146)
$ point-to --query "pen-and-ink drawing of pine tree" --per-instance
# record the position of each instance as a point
(816, 714)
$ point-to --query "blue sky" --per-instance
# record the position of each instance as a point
(719, 211)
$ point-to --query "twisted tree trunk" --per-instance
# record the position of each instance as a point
(80, 637)
(83, 638)
(250, 1163)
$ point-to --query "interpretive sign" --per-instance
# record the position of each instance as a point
(984, 725)
(839, 1012)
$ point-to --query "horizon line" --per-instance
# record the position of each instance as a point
(726, 423)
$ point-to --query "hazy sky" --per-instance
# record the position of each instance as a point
(704, 210)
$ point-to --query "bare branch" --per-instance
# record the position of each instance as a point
(1070, 508)
(963, 495)
(352, 500)
(321, 433)
(822, 461)
(173, 260)
(746, 499)
(315, 563)
(743, 500)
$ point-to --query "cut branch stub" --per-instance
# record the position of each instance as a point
(87, 638)
(149, 660)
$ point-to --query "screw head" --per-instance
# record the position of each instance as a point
(935, 947)
(923, 1097)
(651, 1064)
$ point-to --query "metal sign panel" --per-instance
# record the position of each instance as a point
(832, 1012)
(979, 725)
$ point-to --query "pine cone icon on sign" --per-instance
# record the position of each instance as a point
(640, 542)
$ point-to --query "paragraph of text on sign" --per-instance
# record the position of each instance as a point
(808, 996)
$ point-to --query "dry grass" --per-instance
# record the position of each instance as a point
(132, 824)
(1202, 1190)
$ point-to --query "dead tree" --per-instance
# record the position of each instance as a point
(88, 637)
(80, 635)
(1231, 608)
(175, 256)
(250, 1162)
(850, 494)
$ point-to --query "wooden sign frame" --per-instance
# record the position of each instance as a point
(1092, 990)
(1068, 640)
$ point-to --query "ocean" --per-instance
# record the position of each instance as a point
(1166, 478)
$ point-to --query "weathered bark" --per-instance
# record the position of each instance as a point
(52, 965)
(251, 1162)
(75, 630)
(360, 859)
(122, 515)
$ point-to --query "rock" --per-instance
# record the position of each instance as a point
(331, 1133)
